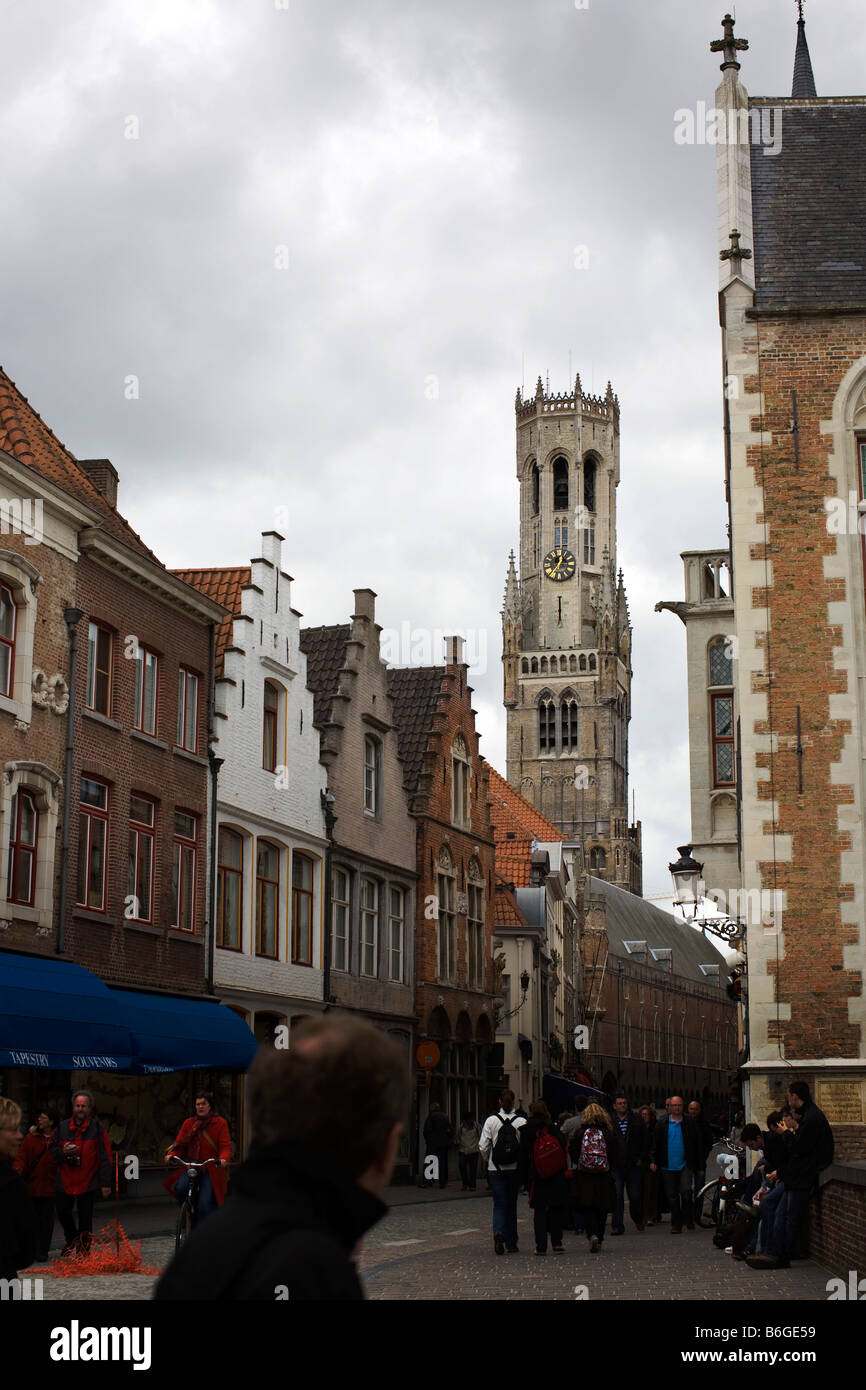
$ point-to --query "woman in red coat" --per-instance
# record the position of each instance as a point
(38, 1167)
(205, 1135)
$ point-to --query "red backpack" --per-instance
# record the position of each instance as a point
(548, 1155)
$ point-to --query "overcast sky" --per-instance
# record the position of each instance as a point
(330, 239)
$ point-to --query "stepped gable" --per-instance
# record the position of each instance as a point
(26, 437)
(415, 692)
(325, 650)
(224, 586)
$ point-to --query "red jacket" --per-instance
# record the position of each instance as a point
(37, 1164)
(196, 1143)
(93, 1169)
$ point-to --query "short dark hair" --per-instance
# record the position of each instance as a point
(205, 1095)
(621, 1095)
(506, 1100)
(538, 1107)
(801, 1090)
(49, 1111)
(750, 1134)
(339, 1090)
(774, 1118)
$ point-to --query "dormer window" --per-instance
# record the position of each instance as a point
(712, 972)
(638, 949)
(664, 958)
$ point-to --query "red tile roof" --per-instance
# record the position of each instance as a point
(224, 586)
(506, 913)
(26, 437)
(515, 825)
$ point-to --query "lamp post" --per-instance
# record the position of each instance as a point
(688, 890)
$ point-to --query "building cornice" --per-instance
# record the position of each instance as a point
(137, 569)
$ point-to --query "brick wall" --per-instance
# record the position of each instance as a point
(837, 1221)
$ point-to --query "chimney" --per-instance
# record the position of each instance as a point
(104, 477)
(454, 651)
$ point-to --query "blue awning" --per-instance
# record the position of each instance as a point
(560, 1092)
(171, 1033)
(56, 1014)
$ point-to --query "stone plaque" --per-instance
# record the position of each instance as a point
(841, 1101)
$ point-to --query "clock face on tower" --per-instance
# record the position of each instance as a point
(559, 564)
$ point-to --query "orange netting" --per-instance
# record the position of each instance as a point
(112, 1252)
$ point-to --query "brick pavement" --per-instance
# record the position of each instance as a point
(439, 1246)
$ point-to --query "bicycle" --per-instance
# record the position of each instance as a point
(716, 1200)
(189, 1205)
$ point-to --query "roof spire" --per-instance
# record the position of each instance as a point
(804, 80)
(729, 46)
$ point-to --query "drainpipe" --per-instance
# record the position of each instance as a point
(330, 821)
(72, 617)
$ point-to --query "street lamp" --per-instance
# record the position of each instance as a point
(524, 985)
(688, 891)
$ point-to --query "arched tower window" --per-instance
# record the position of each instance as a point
(560, 485)
(535, 483)
(568, 723)
(546, 725)
(589, 467)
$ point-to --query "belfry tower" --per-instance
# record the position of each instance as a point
(566, 636)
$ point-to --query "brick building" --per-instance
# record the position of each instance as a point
(792, 298)
(129, 896)
(371, 951)
(447, 783)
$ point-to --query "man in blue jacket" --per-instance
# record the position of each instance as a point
(676, 1152)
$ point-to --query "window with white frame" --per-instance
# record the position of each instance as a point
(99, 656)
(29, 811)
(146, 685)
(230, 889)
(369, 920)
(187, 710)
(340, 920)
(372, 774)
(396, 929)
(267, 898)
(447, 944)
(8, 623)
(23, 841)
(302, 908)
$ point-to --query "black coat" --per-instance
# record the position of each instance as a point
(705, 1141)
(777, 1148)
(811, 1149)
(691, 1144)
(288, 1226)
(17, 1224)
(543, 1192)
(631, 1145)
(437, 1131)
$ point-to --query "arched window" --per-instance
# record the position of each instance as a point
(582, 662)
(230, 889)
(369, 918)
(267, 898)
(572, 665)
(589, 484)
(593, 662)
(721, 711)
(544, 670)
(597, 858)
(270, 726)
(524, 667)
(23, 839)
(461, 779)
(446, 963)
(340, 891)
(8, 615)
(535, 485)
(568, 724)
(535, 665)
(560, 486)
(546, 726)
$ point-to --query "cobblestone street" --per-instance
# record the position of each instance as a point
(440, 1247)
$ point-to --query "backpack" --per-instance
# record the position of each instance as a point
(548, 1155)
(593, 1151)
(507, 1146)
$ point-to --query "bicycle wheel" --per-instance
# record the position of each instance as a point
(184, 1226)
(707, 1205)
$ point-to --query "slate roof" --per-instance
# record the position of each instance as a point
(224, 586)
(630, 918)
(415, 693)
(809, 205)
(804, 80)
(325, 650)
(26, 437)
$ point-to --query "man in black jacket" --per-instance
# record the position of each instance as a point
(676, 1152)
(811, 1151)
(627, 1168)
(438, 1133)
(326, 1118)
